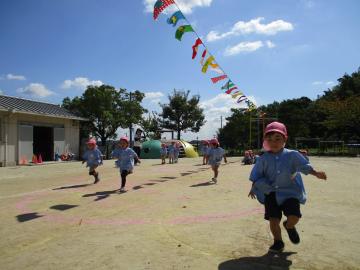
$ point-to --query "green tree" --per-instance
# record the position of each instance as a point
(107, 109)
(182, 113)
(150, 126)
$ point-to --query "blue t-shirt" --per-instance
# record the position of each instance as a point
(171, 149)
(205, 150)
(92, 157)
(216, 155)
(163, 151)
(125, 158)
(279, 173)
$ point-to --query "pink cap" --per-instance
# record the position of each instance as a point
(91, 142)
(124, 138)
(276, 127)
(214, 141)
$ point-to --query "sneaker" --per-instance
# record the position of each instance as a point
(214, 180)
(293, 234)
(278, 246)
(122, 189)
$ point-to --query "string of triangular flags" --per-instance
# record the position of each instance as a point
(207, 60)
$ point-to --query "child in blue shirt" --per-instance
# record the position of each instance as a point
(125, 162)
(278, 185)
(171, 151)
(163, 153)
(205, 151)
(93, 159)
(215, 155)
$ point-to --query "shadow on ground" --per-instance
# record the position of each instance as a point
(74, 186)
(205, 184)
(268, 261)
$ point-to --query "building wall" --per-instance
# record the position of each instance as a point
(9, 129)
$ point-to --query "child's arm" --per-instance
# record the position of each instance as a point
(302, 165)
(320, 175)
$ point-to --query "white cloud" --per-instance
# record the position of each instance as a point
(253, 26)
(322, 83)
(243, 47)
(1, 92)
(80, 83)
(186, 6)
(270, 44)
(153, 95)
(37, 90)
(15, 77)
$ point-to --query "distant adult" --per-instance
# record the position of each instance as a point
(137, 143)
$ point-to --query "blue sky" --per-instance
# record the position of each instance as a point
(272, 50)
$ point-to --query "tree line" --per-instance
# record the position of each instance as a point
(333, 116)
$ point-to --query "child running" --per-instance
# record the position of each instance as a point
(93, 159)
(216, 154)
(205, 151)
(163, 153)
(125, 162)
(278, 185)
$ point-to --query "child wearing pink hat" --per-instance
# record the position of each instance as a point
(278, 185)
(216, 154)
(125, 162)
(93, 159)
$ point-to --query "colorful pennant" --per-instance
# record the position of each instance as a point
(203, 57)
(177, 16)
(183, 29)
(230, 90)
(219, 78)
(195, 47)
(160, 5)
(235, 95)
(207, 63)
(228, 85)
(241, 99)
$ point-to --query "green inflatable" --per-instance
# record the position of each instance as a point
(151, 149)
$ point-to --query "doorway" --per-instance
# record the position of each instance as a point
(44, 142)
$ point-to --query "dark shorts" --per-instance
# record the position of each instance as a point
(290, 207)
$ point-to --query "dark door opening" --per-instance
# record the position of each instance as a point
(44, 142)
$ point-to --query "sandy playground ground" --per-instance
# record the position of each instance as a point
(52, 217)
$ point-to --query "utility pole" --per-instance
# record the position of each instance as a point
(130, 127)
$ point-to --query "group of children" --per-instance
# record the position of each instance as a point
(249, 157)
(276, 179)
(172, 152)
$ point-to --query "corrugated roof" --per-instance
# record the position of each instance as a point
(35, 107)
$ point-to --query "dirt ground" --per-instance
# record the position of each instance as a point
(53, 217)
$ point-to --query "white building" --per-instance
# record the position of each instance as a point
(30, 127)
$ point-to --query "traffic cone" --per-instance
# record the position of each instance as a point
(40, 159)
(34, 159)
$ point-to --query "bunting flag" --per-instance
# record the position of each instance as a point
(236, 94)
(230, 90)
(228, 85)
(183, 29)
(177, 16)
(241, 99)
(207, 63)
(160, 5)
(195, 47)
(203, 57)
(219, 78)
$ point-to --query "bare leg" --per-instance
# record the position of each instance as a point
(275, 228)
(291, 222)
